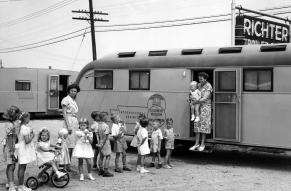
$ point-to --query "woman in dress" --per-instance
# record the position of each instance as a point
(203, 127)
(70, 110)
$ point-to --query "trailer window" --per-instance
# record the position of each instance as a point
(21, 85)
(139, 80)
(258, 80)
(103, 79)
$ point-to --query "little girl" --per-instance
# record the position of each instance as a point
(45, 151)
(169, 143)
(12, 129)
(143, 145)
(156, 140)
(24, 148)
(83, 148)
(64, 158)
(118, 129)
(194, 95)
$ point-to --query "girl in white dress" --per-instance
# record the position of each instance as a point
(45, 151)
(83, 148)
(24, 148)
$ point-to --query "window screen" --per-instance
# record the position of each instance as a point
(103, 79)
(139, 80)
(258, 80)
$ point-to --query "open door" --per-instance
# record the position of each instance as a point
(227, 104)
(53, 92)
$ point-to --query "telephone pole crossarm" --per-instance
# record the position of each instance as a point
(92, 20)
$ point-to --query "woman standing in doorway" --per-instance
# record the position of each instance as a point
(203, 127)
(70, 110)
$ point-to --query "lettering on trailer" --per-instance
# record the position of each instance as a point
(155, 110)
(252, 30)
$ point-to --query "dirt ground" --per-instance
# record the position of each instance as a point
(193, 171)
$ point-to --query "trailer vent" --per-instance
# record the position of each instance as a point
(126, 54)
(272, 48)
(227, 50)
(158, 53)
(191, 51)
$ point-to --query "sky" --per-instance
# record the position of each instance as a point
(42, 33)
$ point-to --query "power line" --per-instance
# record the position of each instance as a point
(126, 29)
(37, 13)
(53, 38)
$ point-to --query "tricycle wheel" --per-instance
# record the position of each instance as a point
(32, 183)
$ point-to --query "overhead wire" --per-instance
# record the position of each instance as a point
(18, 48)
(37, 13)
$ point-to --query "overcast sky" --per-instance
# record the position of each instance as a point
(48, 25)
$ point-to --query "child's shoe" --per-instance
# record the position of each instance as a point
(194, 147)
(192, 117)
(159, 166)
(152, 164)
(107, 174)
(197, 119)
(60, 174)
(81, 177)
(125, 168)
(118, 170)
(167, 166)
(171, 165)
(143, 170)
(138, 168)
(101, 172)
(90, 176)
(22, 188)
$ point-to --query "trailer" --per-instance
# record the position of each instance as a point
(35, 90)
(251, 91)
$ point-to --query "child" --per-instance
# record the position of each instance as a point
(83, 148)
(65, 156)
(194, 95)
(118, 129)
(137, 126)
(105, 147)
(94, 128)
(24, 149)
(169, 142)
(12, 128)
(45, 151)
(156, 144)
(143, 145)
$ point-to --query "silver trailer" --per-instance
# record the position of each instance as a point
(251, 98)
(35, 90)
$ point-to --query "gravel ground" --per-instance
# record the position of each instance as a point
(193, 171)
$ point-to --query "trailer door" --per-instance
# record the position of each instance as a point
(227, 104)
(53, 92)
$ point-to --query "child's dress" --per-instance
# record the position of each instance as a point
(169, 133)
(64, 157)
(9, 142)
(144, 148)
(25, 152)
(156, 135)
(195, 95)
(83, 148)
(42, 156)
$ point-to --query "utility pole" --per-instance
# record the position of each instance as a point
(92, 20)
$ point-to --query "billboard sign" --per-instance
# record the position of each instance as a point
(252, 30)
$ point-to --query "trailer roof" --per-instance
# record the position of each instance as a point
(211, 57)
